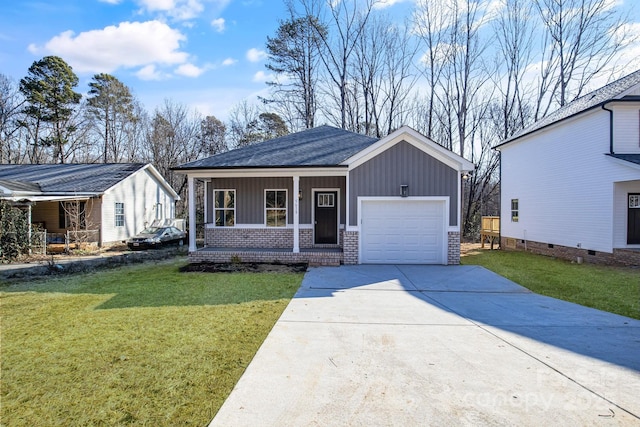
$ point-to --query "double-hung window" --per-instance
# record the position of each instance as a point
(515, 211)
(224, 207)
(275, 208)
(119, 214)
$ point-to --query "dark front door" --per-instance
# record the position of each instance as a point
(633, 225)
(326, 217)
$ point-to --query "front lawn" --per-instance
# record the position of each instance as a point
(612, 289)
(141, 345)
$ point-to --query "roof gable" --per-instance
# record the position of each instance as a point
(316, 147)
(625, 88)
(421, 142)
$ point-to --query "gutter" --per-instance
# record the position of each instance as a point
(610, 127)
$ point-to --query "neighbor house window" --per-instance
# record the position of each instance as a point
(119, 214)
(224, 207)
(276, 208)
(514, 210)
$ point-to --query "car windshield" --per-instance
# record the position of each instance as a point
(152, 230)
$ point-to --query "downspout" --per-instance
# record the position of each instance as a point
(610, 128)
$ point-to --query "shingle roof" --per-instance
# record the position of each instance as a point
(598, 97)
(632, 158)
(321, 146)
(67, 178)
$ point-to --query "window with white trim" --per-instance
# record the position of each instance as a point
(515, 211)
(119, 214)
(326, 200)
(224, 208)
(275, 208)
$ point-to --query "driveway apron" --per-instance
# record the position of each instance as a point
(375, 345)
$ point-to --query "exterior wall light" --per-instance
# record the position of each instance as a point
(299, 194)
(404, 190)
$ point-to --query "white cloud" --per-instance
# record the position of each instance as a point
(383, 4)
(218, 24)
(130, 44)
(189, 70)
(261, 77)
(149, 73)
(110, 1)
(255, 55)
(229, 61)
(182, 10)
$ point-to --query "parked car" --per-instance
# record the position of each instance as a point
(154, 237)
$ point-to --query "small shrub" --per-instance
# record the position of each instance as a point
(14, 232)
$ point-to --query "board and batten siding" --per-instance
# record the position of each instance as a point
(403, 164)
(250, 196)
(564, 184)
(141, 193)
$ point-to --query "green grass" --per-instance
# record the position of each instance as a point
(612, 289)
(137, 345)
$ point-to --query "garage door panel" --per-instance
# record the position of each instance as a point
(402, 231)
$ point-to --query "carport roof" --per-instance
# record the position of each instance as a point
(65, 178)
(317, 147)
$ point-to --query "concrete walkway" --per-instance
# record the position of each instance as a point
(437, 345)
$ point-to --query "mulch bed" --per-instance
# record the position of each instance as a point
(242, 267)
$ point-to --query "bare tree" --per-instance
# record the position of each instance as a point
(384, 73)
(294, 57)
(11, 102)
(112, 108)
(340, 25)
(579, 44)
(172, 138)
(212, 136)
(465, 69)
(514, 34)
(240, 116)
(432, 19)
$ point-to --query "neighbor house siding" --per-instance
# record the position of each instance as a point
(626, 121)
(403, 164)
(141, 193)
(47, 213)
(564, 184)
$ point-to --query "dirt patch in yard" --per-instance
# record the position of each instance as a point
(241, 267)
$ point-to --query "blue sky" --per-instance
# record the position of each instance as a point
(206, 54)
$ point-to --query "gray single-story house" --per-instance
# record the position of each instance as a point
(329, 196)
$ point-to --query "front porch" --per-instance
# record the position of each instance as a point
(312, 256)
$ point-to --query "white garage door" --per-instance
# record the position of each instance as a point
(403, 231)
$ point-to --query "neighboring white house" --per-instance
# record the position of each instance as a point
(118, 199)
(570, 183)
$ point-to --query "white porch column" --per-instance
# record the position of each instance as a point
(296, 214)
(347, 204)
(207, 183)
(192, 213)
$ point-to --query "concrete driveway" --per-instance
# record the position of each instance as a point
(437, 345)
